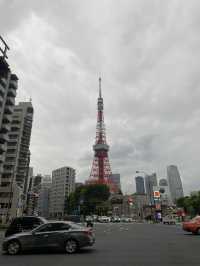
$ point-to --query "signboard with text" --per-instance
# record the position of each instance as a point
(156, 194)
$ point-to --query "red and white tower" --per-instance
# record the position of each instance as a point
(101, 169)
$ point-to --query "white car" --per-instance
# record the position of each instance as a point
(169, 219)
(104, 219)
(116, 219)
(127, 219)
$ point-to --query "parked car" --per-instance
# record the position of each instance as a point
(62, 235)
(127, 219)
(104, 219)
(89, 218)
(24, 223)
(192, 226)
(169, 219)
(115, 219)
(95, 217)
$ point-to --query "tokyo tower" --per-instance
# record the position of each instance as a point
(101, 169)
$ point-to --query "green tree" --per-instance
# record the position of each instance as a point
(191, 204)
(89, 199)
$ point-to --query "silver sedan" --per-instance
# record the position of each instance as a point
(63, 235)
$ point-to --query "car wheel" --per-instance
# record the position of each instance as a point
(13, 247)
(71, 246)
(197, 232)
(194, 233)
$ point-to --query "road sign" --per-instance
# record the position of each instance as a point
(156, 194)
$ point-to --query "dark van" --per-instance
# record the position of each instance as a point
(24, 223)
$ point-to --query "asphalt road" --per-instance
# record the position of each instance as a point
(123, 245)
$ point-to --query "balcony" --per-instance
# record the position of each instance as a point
(15, 128)
(5, 189)
(16, 124)
(5, 128)
(13, 84)
(22, 165)
(2, 90)
(7, 118)
(1, 100)
(3, 147)
(8, 109)
(12, 145)
(8, 171)
(24, 146)
(9, 163)
(14, 141)
(6, 179)
(3, 137)
(2, 158)
(10, 101)
(11, 155)
(3, 82)
(11, 92)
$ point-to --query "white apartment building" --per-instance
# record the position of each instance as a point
(16, 164)
(63, 183)
(8, 88)
(175, 183)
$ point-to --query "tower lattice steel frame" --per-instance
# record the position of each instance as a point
(101, 169)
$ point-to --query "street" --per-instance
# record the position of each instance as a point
(123, 245)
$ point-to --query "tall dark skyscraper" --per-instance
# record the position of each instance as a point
(150, 182)
(174, 181)
(139, 181)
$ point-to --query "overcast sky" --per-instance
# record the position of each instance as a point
(148, 54)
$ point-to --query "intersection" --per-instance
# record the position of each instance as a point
(124, 245)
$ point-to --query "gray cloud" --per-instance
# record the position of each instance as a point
(148, 55)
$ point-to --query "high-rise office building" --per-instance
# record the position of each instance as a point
(63, 183)
(150, 182)
(115, 179)
(139, 181)
(174, 181)
(17, 158)
(44, 194)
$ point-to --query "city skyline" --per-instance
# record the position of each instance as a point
(150, 82)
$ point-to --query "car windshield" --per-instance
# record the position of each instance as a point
(76, 226)
(55, 226)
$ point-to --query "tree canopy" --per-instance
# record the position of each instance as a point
(88, 199)
(191, 204)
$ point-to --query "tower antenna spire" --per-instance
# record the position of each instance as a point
(99, 87)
